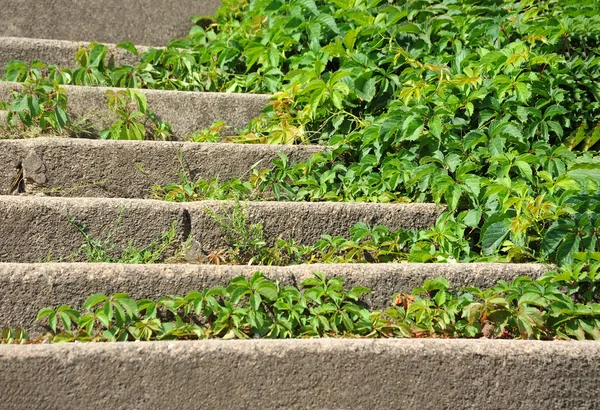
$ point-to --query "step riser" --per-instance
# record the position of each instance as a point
(154, 23)
(55, 52)
(33, 227)
(302, 374)
(127, 169)
(26, 288)
(186, 112)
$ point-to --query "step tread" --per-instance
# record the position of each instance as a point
(186, 111)
(56, 52)
(129, 169)
(317, 373)
(30, 287)
(33, 226)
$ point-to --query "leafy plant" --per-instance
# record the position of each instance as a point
(491, 108)
(13, 336)
(40, 104)
(136, 121)
(560, 305)
(212, 134)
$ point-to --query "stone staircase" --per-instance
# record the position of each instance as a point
(99, 182)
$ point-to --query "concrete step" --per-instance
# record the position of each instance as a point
(26, 288)
(32, 227)
(55, 52)
(314, 373)
(127, 169)
(153, 22)
(187, 112)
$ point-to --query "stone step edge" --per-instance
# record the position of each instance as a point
(186, 111)
(35, 226)
(97, 168)
(57, 52)
(313, 373)
(26, 288)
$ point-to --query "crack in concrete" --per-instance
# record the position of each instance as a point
(18, 184)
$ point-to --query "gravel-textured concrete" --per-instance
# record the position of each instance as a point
(151, 22)
(32, 227)
(307, 221)
(128, 169)
(187, 112)
(55, 52)
(26, 288)
(318, 373)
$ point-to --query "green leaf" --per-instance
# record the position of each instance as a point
(523, 92)
(554, 236)
(66, 320)
(52, 323)
(494, 231)
(472, 218)
(93, 300)
(129, 46)
(585, 171)
(45, 312)
(255, 301)
(268, 290)
(61, 117)
(329, 21)
(435, 127)
(525, 169)
(365, 87)
(308, 5)
(569, 245)
(533, 299)
(126, 302)
(554, 110)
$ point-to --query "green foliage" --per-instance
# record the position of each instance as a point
(40, 104)
(560, 305)
(135, 120)
(212, 134)
(13, 336)
(245, 240)
(187, 190)
(40, 108)
(491, 108)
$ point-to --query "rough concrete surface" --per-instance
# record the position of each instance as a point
(186, 111)
(307, 221)
(317, 373)
(55, 52)
(151, 22)
(32, 227)
(128, 169)
(26, 288)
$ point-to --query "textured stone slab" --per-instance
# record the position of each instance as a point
(127, 169)
(34, 227)
(318, 373)
(307, 221)
(26, 288)
(187, 112)
(151, 22)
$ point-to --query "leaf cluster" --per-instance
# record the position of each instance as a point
(560, 305)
